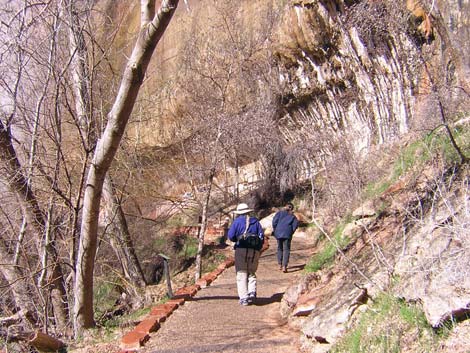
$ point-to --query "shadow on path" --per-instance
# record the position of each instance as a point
(275, 298)
(214, 297)
(295, 268)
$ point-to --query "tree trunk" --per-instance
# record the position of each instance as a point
(20, 287)
(18, 185)
(120, 237)
(44, 342)
(202, 232)
(152, 28)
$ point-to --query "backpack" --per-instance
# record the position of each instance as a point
(249, 240)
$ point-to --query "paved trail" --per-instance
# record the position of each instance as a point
(213, 321)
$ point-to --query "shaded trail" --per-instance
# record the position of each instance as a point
(213, 321)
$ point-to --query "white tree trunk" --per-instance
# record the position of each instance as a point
(120, 237)
(202, 230)
(152, 28)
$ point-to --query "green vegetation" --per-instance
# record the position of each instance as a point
(417, 153)
(389, 325)
(212, 261)
(327, 255)
(178, 220)
(374, 189)
(160, 243)
(105, 296)
(117, 321)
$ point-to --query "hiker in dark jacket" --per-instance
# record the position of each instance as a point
(247, 253)
(284, 226)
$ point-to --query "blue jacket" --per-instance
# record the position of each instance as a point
(284, 225)
(238, 228)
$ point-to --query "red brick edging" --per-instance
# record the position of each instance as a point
(137, 338)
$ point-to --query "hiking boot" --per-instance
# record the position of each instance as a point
(244, 302)
(251, 297)
(284, 269)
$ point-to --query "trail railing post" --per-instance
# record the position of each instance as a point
(166, 269)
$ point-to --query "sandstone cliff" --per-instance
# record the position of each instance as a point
(353, 68)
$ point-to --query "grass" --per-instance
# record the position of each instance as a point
(326, 257)
(211, 262)
(389, 325)
(436, 143)
(104, 296)
(116, 322)
(190, 248)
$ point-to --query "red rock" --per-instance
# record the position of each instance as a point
(170, 307)
(158, 316)
(217, 272)
(222, 266)
(186, 292)
(164, 309)
(151, 324)
(177, 301)
(209, 278)
(133, 340)
(305, 305)
(202, 283)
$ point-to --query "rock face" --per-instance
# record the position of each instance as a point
(434, 265)
(349, 72)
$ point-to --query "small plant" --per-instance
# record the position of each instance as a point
(212, 261)
(159, 243)
(117, 321)
(177, 220)
(373, 190)
(322, 259)
(190, 248)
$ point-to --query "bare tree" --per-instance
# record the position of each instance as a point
(37, 222)
(226, 68)
(153, 25)
(88, 123)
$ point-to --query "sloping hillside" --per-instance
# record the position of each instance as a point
(393, 276)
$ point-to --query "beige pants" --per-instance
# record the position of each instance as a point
(246, 264)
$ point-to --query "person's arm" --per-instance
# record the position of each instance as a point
(275, 220)
(232, 232)
(259, 230)
(295, 224)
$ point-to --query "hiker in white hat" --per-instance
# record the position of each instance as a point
(248, 235)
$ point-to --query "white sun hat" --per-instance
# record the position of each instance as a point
(242, 208)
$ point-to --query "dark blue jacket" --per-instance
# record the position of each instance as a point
(238, 228)
(284, 225)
